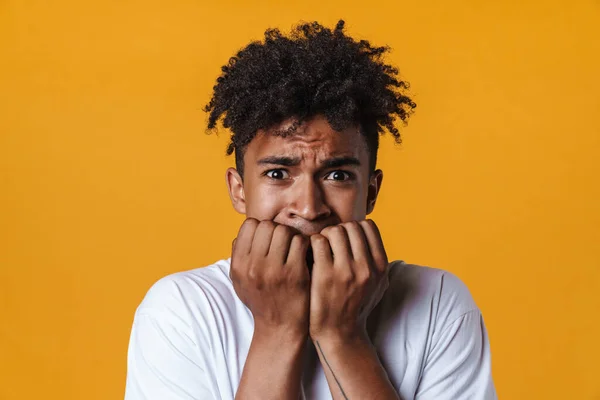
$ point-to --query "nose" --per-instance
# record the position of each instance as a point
(307, 201)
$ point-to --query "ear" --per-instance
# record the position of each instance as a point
(235, 185)
(373, 191)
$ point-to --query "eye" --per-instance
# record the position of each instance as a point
(277, 174)
(338, 176)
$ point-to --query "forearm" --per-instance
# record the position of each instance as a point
(353, 369)
(273, 368)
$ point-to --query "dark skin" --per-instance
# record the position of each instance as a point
(312, 189)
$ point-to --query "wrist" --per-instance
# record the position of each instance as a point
(341, 339)
(279, 337)
(277, 350)
(273, 367)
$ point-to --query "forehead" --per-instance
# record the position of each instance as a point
(314, 139)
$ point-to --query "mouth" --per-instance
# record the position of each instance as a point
(310, 260)
(310, 229)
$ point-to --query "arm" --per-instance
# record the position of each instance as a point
(457, 367)
(353, 369)
(349, 279)
(274, 285)
(273, 368)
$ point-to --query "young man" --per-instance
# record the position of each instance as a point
(308, 305)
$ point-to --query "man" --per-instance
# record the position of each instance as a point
(308, 306)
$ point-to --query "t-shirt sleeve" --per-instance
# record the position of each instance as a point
(458, 365)
(163, 361)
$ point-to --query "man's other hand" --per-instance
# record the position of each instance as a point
(349, 278)
(270, 276)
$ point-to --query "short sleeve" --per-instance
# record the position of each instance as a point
(459, 364)
(163, 360)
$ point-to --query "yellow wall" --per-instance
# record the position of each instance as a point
(108, 181)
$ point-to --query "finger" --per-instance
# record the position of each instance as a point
(321, 250)
(339, 243)
(262, 237)
(358, 241)
(375, 244)
(243, 242)
(280, 243)
(296, 255)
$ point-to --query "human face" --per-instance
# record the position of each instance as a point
(311, 179)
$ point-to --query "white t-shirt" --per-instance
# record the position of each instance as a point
(191, 335)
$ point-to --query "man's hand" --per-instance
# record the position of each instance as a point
(348, 280)
(270, 276)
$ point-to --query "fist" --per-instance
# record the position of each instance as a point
(270, 276)
(349, 278)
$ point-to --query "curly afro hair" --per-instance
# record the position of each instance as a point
(312, 71)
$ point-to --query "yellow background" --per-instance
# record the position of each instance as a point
(108, 181)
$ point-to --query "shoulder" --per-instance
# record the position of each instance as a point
(182, 292)
(172, 335)
(445, 331)
(444, 295)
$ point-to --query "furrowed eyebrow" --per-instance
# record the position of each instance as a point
(340, 162)
(277, 160)
(335, 162)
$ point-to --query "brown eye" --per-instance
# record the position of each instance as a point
(277, 174)
(338, 176)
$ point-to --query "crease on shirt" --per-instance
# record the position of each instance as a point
(450, 325)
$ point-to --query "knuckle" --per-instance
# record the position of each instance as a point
(251, 221)
(363, 259)
(267, 224)
(351, 225)
(300, 238)
(298, 280)
(296, 239)
(250, 224)
(381, 262)
(335, 230)
(347, 277)
(283, 230)
(369, 223)
(363, 277)
(318, 239)
(327, 282)
(325, 230)
(256, 278)
(252, 273)
(364, 226)
(378, 269)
